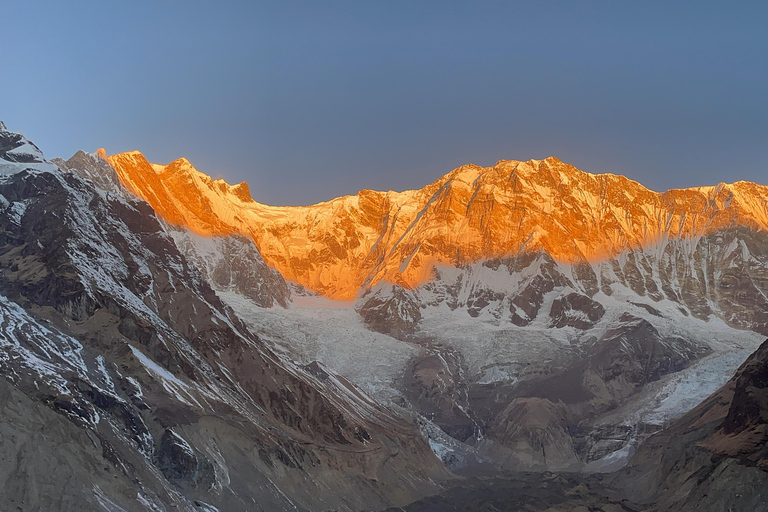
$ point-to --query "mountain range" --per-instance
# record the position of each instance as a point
(344, 247)
(170, 343)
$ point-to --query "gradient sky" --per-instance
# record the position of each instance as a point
(310, 100)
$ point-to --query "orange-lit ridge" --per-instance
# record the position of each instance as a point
(473, 213)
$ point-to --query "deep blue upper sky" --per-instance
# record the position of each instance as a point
(311, 100)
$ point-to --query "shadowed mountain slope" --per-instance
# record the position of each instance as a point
(128, 385)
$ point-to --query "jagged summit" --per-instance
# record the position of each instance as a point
(18, 153)
(470, 214)
(165, 377)
(127, 384)
(242, 191)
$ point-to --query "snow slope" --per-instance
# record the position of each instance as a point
(331, 332)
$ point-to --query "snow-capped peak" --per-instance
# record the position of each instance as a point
(472, 213)
(18, 153)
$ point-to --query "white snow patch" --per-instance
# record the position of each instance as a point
(103, 369)
(175, 387)
(439, 449)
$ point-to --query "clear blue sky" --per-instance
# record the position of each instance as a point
(310, 100)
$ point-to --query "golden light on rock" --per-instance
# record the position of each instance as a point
(339, 247)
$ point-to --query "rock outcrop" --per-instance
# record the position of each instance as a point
(712, 459)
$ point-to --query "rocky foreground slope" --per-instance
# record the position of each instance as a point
(128, 385)
(711, 460)
(715, 458)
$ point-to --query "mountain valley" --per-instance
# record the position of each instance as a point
(523, 336)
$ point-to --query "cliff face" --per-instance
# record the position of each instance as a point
(127, 384)
(712, 459)
(343, 247)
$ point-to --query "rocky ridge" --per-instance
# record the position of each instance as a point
(129, 385)
(713, 458)
(343, 247)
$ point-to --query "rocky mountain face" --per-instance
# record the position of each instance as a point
(523, 317)
(233, 263)
(228, 263)
(549, 422)
(127, 384)
(712, 459)
(345, 246)
(723, 274)
(560, 346)
(578, 285)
